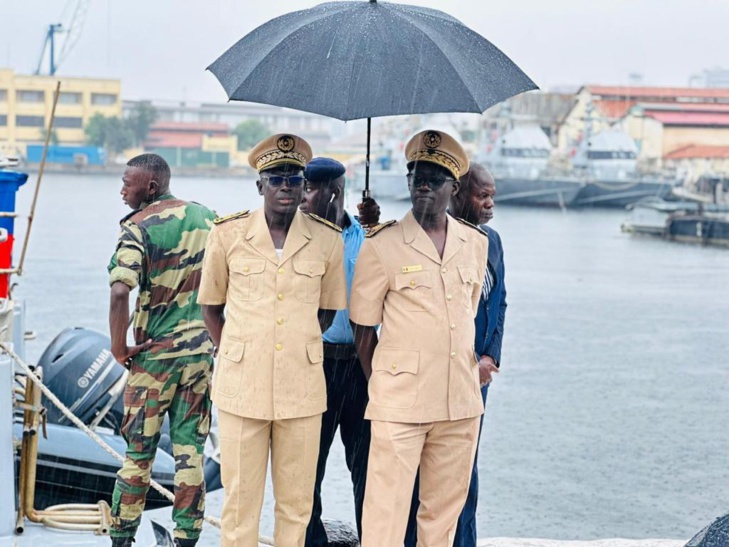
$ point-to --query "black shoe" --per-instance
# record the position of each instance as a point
(183, 542)
(122, 542)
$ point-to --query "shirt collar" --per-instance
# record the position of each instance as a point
(163, 197)
(354, 224)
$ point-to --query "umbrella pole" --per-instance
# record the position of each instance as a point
(366, 192)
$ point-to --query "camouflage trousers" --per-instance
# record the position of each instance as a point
(181, 388)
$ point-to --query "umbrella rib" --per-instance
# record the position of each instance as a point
(415, 23)
(273, 47)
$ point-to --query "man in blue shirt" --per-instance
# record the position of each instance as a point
(346, 384)
(474, 203)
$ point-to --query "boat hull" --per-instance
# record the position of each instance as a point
(538, 192)
(699, 229)
(620, 193)
(74, 469)
(384, 184)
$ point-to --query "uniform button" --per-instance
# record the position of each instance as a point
(394, 367)
(449, 297)
(412, 282)
(246, 269)
(280, 296)
(279, 347)
(453, 326)
(280, 270)
(444, 270)
(453, 354)
(279, 320)
(311, 270)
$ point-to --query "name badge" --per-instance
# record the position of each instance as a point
(416, 268)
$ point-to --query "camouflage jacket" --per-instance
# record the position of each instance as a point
(160, 250)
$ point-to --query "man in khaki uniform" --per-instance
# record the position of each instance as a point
(421, 279)
(275, 272)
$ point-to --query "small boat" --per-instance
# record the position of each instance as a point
(608, 165)
(519, 162)
(80, 370)
(683, 221)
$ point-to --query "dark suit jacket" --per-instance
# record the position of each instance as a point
(491, 314)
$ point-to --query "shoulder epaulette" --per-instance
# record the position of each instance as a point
(473, 226)
(371, 232)
(234, 216)
(324, 221)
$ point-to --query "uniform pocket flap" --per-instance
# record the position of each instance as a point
(315, 351)
(248, 266)
(233, 350)
(312, 268)
(412, 280)
(397, 361)
(468, 274)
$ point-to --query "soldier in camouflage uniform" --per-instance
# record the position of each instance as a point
(160, 250)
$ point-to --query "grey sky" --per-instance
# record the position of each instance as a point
(160, 48)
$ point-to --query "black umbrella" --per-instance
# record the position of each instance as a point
(352, 60)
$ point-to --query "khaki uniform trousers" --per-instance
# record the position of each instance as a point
(244, 450)
(445, 452)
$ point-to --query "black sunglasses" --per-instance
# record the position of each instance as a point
(432, 182)
(278, 180)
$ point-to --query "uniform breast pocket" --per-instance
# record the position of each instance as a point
(308, 279)
(469, 278)
(247, 276)
(394, 381)
(415, 290)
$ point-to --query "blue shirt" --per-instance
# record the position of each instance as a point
(341, 331)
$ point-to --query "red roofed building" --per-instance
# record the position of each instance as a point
(678, 107)
(693, 161)
(661, 128)
(694, 151)
(199, 144)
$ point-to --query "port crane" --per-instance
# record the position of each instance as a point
(72, 33)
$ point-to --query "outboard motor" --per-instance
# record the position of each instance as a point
(79, 368)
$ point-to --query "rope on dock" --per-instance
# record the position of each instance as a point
(214, 521)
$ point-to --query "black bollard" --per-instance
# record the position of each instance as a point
(715, 534)
(340, 534)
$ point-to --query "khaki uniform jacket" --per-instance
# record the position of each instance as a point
(424, 368)
(271, 353)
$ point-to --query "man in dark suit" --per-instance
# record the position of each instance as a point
(474, 203)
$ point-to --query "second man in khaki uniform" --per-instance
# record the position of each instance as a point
(421, 279)
(275, 272)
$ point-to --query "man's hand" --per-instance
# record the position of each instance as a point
(369, 213)
(486, 367)
(126, 354)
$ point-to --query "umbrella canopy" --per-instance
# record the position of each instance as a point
(351, 60)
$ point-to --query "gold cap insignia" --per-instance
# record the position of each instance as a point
(439, 148)
(279, 149)
(285, 143)
(431, 139)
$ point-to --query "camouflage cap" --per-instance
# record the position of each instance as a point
(439, 148)
(279, 149)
